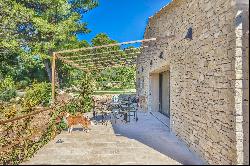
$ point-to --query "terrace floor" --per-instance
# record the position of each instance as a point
(147, 141)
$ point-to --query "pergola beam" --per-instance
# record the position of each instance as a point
(100, 66)
(115, 51)
(102, 60)
(105, 58)
(113, 66)
(109, 45)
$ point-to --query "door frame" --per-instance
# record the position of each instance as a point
(161, 93)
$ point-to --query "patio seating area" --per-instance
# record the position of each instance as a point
(119, 107)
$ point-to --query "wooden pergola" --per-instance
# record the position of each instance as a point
(98, 57)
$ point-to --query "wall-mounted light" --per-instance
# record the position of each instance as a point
(142, 69)
(189, 34)
(151, 62)
(161, 55)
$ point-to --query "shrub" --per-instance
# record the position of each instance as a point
(7, 94)
(10, 111)
(38, 94)
(73, 107)
(7, 89)
(83, 102)
(23, 83)
(86, 90)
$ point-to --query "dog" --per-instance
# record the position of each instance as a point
(76, 120)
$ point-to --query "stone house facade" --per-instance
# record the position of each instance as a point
(196, 73)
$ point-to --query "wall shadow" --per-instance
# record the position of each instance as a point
(151, 132)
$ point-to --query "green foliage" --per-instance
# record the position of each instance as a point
(31, 30)
(12, 16)
(118, 78)
(68, 76)
(50, 24)
(38, 94)
(7, 89)
(23, 84)
(102, 39)
(61, 125)
(83, 102)
(10, 111)
(72, 107)
(86, 90)
(7, 94)
(7, 83)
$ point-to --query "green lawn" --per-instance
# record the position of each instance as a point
(115, 91)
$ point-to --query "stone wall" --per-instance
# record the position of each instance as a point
(203, 95)
(242, 77)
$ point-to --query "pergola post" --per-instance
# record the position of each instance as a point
(53, 67)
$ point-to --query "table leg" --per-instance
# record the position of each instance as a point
(102, 118)
(129, 115)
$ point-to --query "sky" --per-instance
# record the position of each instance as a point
(121, 20)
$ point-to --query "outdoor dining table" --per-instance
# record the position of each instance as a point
(115, 109)
(122, 108)
(102, 110)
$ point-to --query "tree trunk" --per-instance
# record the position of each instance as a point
(48, 68)
(47, 64)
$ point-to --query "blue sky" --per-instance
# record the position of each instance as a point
(121, 20)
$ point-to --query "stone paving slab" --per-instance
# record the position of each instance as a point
(126, 144)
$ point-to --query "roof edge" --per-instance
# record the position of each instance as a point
(166, 7)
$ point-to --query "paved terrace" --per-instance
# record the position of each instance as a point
(147, 141)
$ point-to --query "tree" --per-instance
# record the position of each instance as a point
(12, 14)
(102, 39)
(41, 27)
